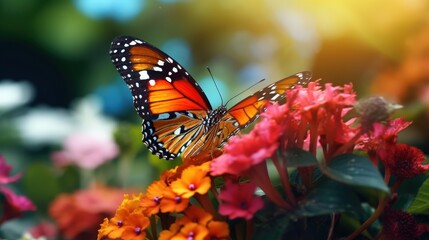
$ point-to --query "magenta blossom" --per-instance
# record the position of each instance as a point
(5, 171)
(13, 205)
(86, 151)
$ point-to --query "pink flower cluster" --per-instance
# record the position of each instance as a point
(313, 118)
(14, 204)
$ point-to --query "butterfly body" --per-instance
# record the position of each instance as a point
(177, 115)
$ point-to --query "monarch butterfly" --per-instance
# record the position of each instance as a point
(177, 116)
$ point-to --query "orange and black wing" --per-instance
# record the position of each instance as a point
(241, 115)
(169, 100)
(247, 110)
(157, 82)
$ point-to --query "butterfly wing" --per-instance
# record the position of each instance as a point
(248, 110)
(241, 115)
(169, 100)
(158, 83)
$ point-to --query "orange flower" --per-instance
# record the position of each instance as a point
(135, 226)
(173, 202)
(152, 199)
(130, 204)
(197, 215)
(122, 221)
(113, 228)
(170, 233)
(193, 180)
(192, 231)
(218, 230)
(169, 176)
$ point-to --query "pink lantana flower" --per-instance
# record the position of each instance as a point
(86, 151)
(239, 201)
(242, 153)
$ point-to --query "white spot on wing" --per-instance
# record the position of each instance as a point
(168, 79)
(144, 75)
(158, 69)
(275, 97)
(160, 63)
(177, 131)
(152, 82)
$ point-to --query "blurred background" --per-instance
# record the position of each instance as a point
(66, 117)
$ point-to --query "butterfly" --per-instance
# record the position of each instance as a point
(177, 115)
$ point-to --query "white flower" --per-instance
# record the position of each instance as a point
(14, 94)
(44, 125)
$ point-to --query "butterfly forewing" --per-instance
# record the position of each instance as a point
(157, 82)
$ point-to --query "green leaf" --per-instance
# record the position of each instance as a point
(328, 197)
(40, 183)
(355, 170)
(420, 205)
(299, 158)
(128, 137)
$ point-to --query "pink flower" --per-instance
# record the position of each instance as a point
(5, 171)
(242, 153)
(44, 230)
(86, 151)
(14, 205)
(239, 201)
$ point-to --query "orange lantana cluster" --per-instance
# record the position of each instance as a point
(167, 202)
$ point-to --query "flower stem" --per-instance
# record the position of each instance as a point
(380, 208)
(205, 202)
(282, 170)
(249, 229)
(259, 175)
(153, 227)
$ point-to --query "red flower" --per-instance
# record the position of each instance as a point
(78, 215)
(239, 201)
(407, 161)
(400, 225)
(380, 142)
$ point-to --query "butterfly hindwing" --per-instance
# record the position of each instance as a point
(248, 109)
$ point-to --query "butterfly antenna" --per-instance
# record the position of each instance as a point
(210, 72)
(245, 90)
